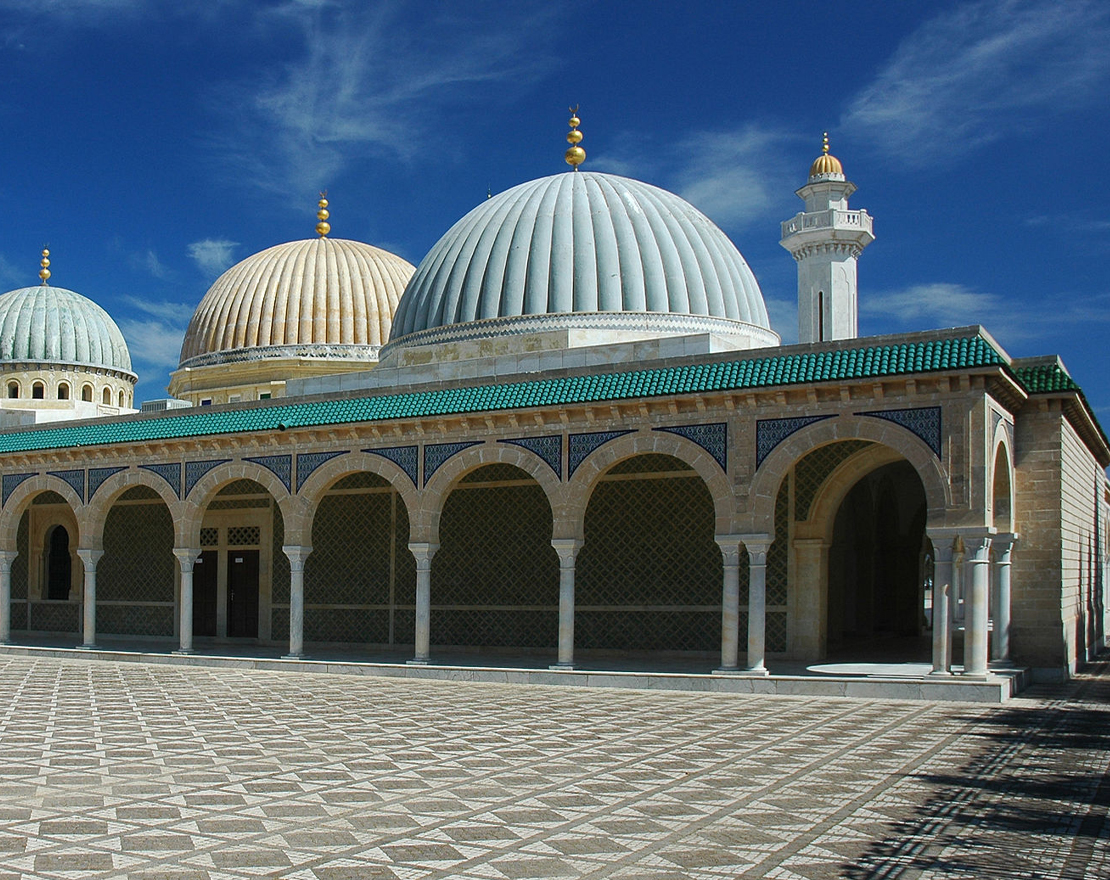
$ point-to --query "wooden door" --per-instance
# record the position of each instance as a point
(205, 580)
(242, 593)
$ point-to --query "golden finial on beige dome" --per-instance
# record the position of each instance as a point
(44, 272)
(575, 156)
(323, 227)
(826, 163)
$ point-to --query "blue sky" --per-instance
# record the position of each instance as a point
(153, 144)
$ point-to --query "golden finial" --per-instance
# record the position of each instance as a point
(575, 156)
(323, 227)
(825, 143)
(44, 272)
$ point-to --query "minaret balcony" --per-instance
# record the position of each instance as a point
(835, 223)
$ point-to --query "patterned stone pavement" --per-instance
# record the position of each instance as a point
(131, 770)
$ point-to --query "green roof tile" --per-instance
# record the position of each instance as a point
(1045, 378)
(862, 361)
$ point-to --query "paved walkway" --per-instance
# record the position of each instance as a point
(126, 769)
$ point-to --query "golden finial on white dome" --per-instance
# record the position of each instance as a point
(44, 272)
(575, 156)
(323, 227)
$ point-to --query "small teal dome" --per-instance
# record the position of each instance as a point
(53, 325)
(581, 249)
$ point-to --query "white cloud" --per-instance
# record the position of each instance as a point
(149, 262)
(12, 276)
(174, 313)
(153, 343)
(929, 306)
(736, 177)
(369, 83)
(213, 255)
(981, 71)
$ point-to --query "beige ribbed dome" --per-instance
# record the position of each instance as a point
(322, 297)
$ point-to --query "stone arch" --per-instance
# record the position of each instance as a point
(320, 481)
(187, 533)
(769, 476)
(570, 518)
(95, 514)
(840, 482)
(21, 499)
(1002, 482)
(425, 521)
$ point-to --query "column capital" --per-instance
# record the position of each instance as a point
(186, 556)
(297, 554)
(730, 545)
(90, 556)
(757, 547)
(423, 551)
(1004, 541)
(567, 548)
(7, 557)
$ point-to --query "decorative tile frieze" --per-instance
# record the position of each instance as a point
(550, 449)
(579, 446)
(769, 433)
(436, 454)
(75, 479)
(195, 470)
(405, 457)
(921, 421)
(281, 466)
(97, 476)
(307, 462)
(171, 473)
(712, 438)
(11, 482)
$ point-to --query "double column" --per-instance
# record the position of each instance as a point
(186, 559)
(89, 558)
(757, 547)
(7, 557)
(977, 587)
(423, 552)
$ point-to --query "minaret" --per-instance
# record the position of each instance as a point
(826, 239)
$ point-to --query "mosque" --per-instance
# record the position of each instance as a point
(570, 432)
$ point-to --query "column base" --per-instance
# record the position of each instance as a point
(294, 657)
(758, 672)
(416, 661)
(976, 676)
(728, 670)
(994, 664)
(90, 647)
(561, 667)
(946, 673)
(183, 652)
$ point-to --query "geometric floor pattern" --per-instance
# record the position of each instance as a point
(131, 770)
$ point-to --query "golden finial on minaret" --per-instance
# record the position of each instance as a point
(575, 156)
(825, 143)
(44, 272)
(323, 227)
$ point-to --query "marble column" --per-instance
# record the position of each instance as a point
(731, 546)
(567, 548)
(186, 559)
(942, 611)
(757, 547)
(423, 552)
(7, 557)
(1002, 545)
(976, 599)
(297, 556)
(89, 559)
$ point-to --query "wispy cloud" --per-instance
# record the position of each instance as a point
(213, 255)
(153, 343)
(171, 312)
(737, 177)
(981, 71)
(12, 276)
(367, 84)
(148, 262)
(928, 306)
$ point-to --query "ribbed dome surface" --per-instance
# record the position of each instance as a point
(53, 325)
(580, 242)
(308, 294)
(825, 164)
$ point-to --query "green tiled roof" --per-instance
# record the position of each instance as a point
(861, 362)
(1045, 378)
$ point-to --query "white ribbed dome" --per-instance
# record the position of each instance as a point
(584, 251)
(322, 297)
(55, 326)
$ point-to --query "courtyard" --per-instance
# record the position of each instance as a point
(133, 770)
